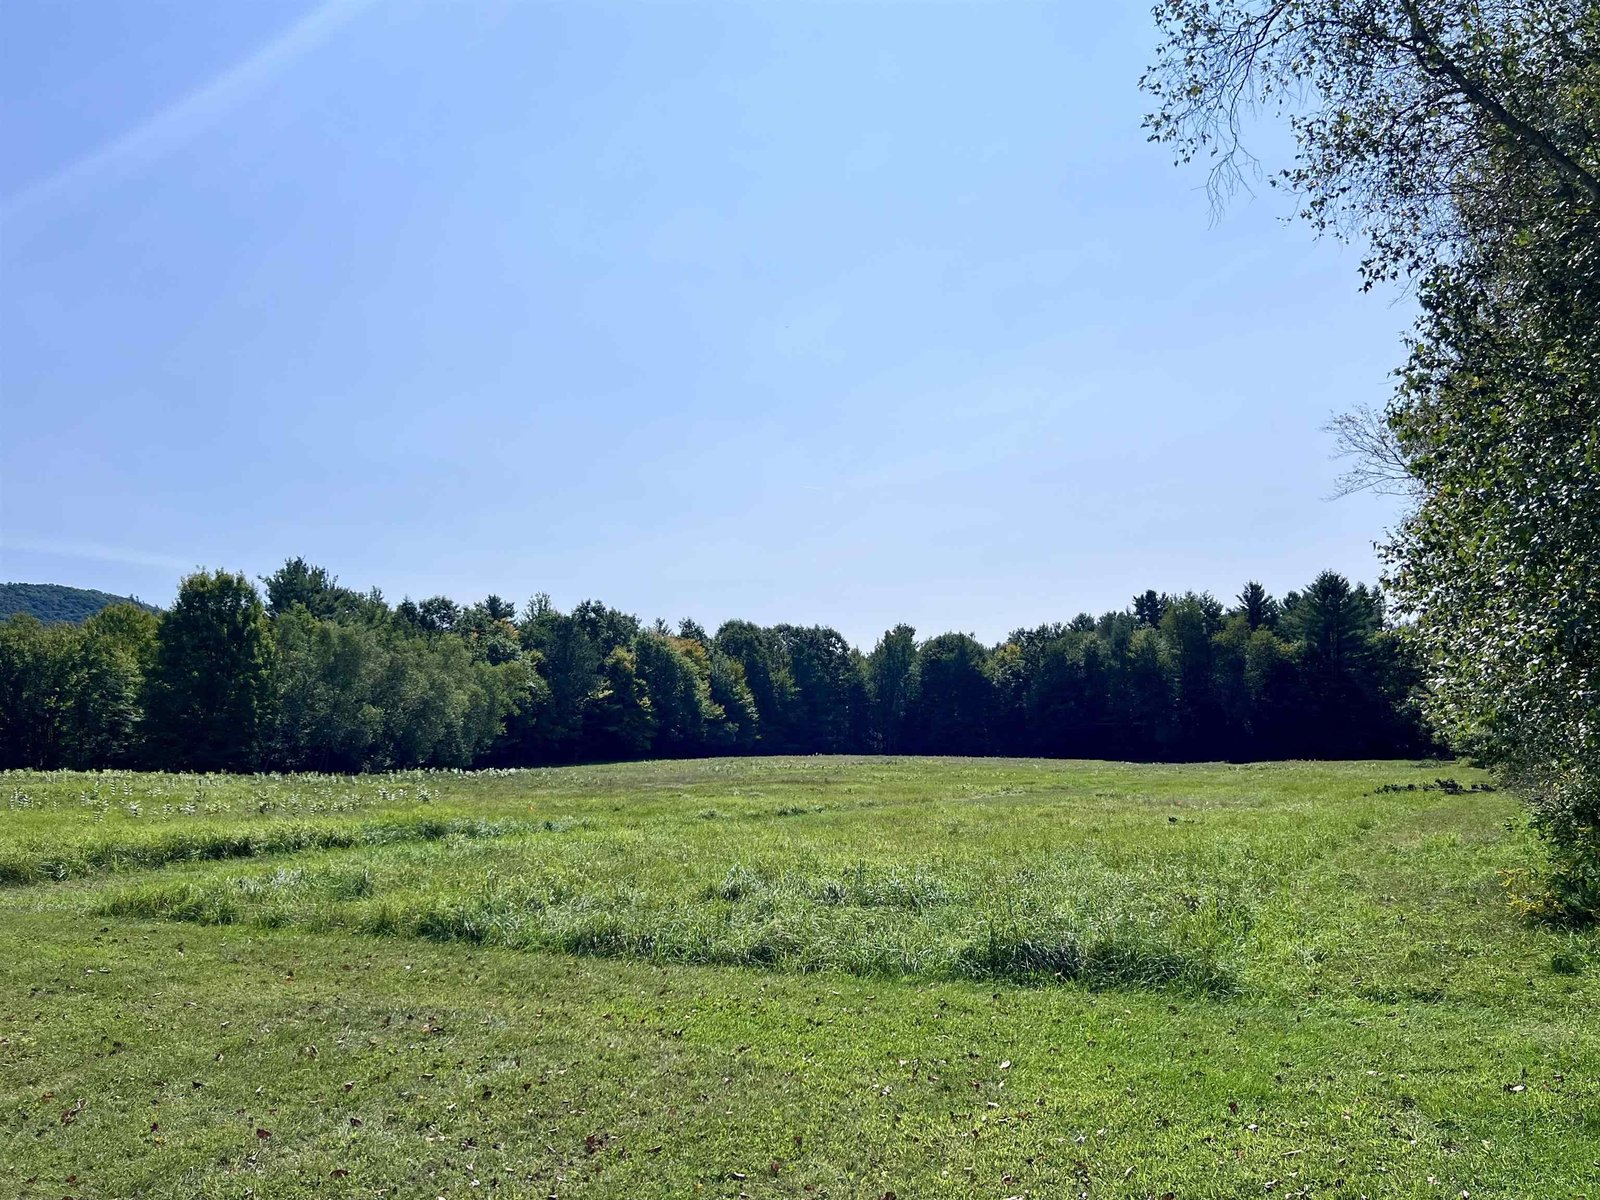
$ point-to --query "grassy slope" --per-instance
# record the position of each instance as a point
(1382, 1025)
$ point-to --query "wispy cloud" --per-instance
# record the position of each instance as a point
(98, 553)
(185, 118)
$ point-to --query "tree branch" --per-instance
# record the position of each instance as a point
(1436, 60)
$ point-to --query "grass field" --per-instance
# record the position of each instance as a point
(810, 977)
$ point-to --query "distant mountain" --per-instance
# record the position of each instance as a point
(53, 602)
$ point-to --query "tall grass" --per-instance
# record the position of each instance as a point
(62, 859)
(1064, 921)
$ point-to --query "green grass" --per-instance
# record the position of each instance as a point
(809, 977)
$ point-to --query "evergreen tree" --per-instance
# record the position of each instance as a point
(1260, 610)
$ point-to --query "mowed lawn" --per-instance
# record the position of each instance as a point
(809, 977)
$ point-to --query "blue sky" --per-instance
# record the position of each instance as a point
(833, 313)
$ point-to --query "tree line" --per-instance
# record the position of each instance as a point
(305, 674)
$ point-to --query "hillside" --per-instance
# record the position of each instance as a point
(55, 602)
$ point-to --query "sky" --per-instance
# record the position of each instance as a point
(849, 314)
